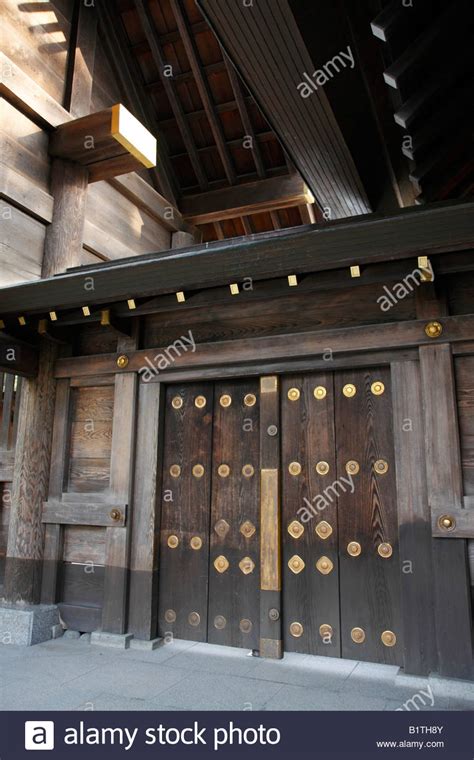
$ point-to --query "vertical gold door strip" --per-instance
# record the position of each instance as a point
(270, 560)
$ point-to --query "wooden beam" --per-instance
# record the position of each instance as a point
(352, 340)
(335, 245)
(306, 126)
(98, 137)
(261, 138)
(16, 357)
(85, 512)
(219, 231)
(149, 29)
(250, 198)
(133, 93)
(183, 77)
(16, 189)
(139, 48)
(203, 88)
(133, 187)
(247, 225)
(29, 97)
(249, 131)
(81, 60)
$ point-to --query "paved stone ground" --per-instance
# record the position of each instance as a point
(70, 674)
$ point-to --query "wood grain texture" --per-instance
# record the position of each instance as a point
(370, 584)
(80, 73)
(63, 242)
(464, 371)
(308, 437)
(53, 534)
(416, 565)
(90, 443)
(353, 340)
(443, 463)
(143, 604)
(185, 512)
(117, 549)
(254, 39)
(62, 512)
(235, 499)
(30, 482)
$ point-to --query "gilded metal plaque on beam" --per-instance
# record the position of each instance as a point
(269, 384)
(270, 564)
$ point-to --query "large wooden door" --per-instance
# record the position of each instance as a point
(341, 583)
(209, 547)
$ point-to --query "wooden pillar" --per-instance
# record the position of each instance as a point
(270, 519)
(143, 611)
(63, 242)
(30, 482)
(445, 490)
(69, 180)
(117, 539)
(415, 543)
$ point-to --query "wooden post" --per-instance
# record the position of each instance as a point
(451, 575)
(445, 490)
(63, 242)
(30, 482)
(270, 538)
(417, 602)
(143, 609)
(117, 540)
(53, 542)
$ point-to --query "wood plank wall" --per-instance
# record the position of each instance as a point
(36, 39)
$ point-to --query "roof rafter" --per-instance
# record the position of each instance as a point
(156, 51)
(203, 88)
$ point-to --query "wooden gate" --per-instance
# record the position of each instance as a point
(339, 559)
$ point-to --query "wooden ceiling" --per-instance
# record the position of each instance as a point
(427, 52)
(222, 162)
(221, 150)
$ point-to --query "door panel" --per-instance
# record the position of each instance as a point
(310, 595)
(341, 584)
(234, 567)
(369, 580)
(184, 540)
